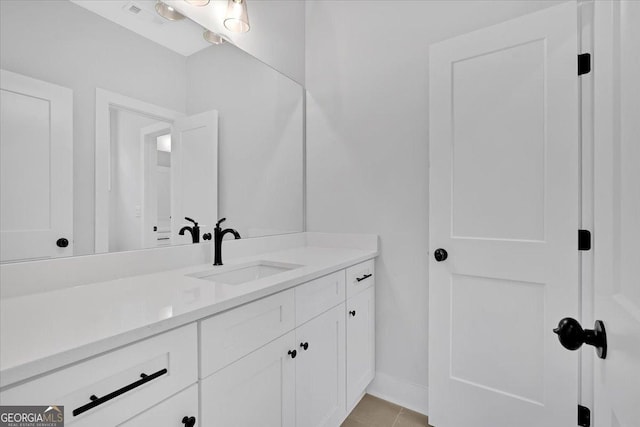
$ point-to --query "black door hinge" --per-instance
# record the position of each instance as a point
(584, 416)
(584, 63)
(584, 240)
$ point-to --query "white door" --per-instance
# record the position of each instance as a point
(504, 205)
(617, 211)
(320, 370)
(156, 184)
(360, 344)
(170, 412)
(36, 154)
(257, 390)
(194, 172)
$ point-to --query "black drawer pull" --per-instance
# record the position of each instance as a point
(366, 276)
(96, 401)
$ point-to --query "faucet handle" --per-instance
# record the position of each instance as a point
(189, 219)
(220, 221)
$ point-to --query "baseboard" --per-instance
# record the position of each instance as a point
(404, 393)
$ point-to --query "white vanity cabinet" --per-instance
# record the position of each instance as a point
(180, 410)
(320, 370)
(360, 322)
(301, 357)
(109, 389)
(257, 390)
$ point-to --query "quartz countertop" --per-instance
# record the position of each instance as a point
(49, 330)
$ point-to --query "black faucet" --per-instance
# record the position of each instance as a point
(218, 235)
(195, 230)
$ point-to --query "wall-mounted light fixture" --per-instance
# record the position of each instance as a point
(198, 2)
(168, 12)
(212, 37)
(237, 19)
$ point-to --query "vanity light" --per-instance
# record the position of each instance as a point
(198, 2)
(212, 37)
(168, 12)
(237, 19)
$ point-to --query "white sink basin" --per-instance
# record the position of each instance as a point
(238, 274)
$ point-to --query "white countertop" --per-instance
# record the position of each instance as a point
(48, 330)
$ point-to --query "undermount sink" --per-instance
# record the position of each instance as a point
(238, 274)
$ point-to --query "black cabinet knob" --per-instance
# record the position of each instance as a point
(206, 236)
(440, 254)
(62, 242)
(292, 353)
(352, 313)
(189, 421)
(572, 336)
(304, 345)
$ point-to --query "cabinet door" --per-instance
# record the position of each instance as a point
(320, 370)
(360, 344)
(257, 390)
(170, 412)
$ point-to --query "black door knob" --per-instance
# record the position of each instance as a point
(440, 254)
(62, 242)
(572, 336)
(304, 345)
(292, 353)
(189, 421)
(352, 313)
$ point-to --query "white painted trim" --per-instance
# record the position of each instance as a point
(105, 100)
(404, 393)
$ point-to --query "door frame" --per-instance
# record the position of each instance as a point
(105, 102)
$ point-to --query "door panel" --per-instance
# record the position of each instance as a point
(194, 172)
(320, 370)
(504, 204)
(360, 344)
(617, 211)
(257, 390)
(37, 168)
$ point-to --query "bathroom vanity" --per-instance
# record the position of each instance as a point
(283, 337)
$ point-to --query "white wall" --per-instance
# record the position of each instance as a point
(367, 153)
(107, 56)
(260, 132)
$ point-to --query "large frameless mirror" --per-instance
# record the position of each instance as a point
(117, 124)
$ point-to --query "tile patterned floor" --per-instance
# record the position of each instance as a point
(375, 412)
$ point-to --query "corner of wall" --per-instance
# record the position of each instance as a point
(401, 392)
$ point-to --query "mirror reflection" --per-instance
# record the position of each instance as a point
(117, 125)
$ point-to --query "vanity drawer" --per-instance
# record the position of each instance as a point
(226, 337)
(319, 295)
(168, 360)
(360, 277)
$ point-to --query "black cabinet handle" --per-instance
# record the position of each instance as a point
(292, 353)
(440, 254)
(366, 276)
(189, 421)
(96, 401)
(62, 242)
(304, 345)
(206, 236)
(352, 313)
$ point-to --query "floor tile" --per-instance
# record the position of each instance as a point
(409, 418)
(375, 412)
(350, 422)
